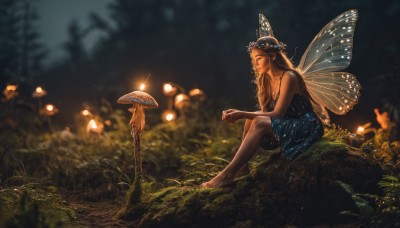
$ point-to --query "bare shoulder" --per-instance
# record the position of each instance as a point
(290, 74)
(290, 77)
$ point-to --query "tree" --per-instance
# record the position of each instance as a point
(21, 52)
(74, 46)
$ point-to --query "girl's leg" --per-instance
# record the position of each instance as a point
(244, 170)
(246, 128)
(259, 127)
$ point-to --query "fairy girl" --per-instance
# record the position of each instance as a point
(293, 100)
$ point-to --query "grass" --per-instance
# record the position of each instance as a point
(177, 157)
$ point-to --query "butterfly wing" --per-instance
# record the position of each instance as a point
(264, 28)
(329, 51)
(321, 112)
(337, 91)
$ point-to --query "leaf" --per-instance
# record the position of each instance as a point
(221, 159)
(345, 187)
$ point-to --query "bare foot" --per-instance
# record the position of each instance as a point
(220, 181)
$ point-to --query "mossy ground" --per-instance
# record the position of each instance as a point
(81, 180)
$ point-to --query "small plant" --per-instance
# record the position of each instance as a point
(388, 205)
(385, 212)
(362, 202)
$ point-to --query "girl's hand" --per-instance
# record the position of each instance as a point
(231, 115)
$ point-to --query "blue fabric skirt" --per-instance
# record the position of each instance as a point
(294, 134)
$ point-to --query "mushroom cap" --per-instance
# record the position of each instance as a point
(45, 112)
(196, 93)
(41, 94)
(138, 97)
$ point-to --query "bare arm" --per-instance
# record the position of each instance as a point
(289, 87)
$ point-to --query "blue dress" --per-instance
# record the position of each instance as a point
(296, 130)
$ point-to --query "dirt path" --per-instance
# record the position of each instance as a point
(97, 214)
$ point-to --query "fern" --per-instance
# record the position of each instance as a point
(365, 210)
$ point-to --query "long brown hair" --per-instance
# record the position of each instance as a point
(282, 62)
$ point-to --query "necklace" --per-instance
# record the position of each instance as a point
(273, 93)
(277, 87)
(273, 90)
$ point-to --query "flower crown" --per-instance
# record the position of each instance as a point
(262, 44)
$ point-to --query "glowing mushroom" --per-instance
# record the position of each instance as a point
(86, 113)
(39, 93)
(139, 101)
(169, 89)
(168, 115)
(48, 111)
(197, 94)
(182, 101)
(10, 92)
(94, 127)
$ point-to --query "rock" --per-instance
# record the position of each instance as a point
(302, 192)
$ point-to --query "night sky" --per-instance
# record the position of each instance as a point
(55, 15)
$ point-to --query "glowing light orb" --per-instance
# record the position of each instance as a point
(94, 127)
(169, 89)
(142, 87)
(168, 115)
(86, 112)
(92, 124)
(11, 88)
(49, 107)
(39, 89)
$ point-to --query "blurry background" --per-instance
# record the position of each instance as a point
(82, 51)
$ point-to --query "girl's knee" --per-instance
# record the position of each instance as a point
(261, 122)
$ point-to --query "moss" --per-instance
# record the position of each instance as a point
(35, 207)
(221, 206)
(323, 148)
(276, 193)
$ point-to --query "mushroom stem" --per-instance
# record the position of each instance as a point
(170, 102)
(50, 124)
(39, 103)
(137, 155)
(137, 122)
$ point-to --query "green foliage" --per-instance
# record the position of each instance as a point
(34, 205)
(388, 205)
(177, 158)
(88, 163)
(336, 133)
(382, 149)
(365, 209)
(386, 210)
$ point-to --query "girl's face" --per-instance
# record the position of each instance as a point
(260, 60)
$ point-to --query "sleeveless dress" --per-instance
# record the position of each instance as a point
(297, 129)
